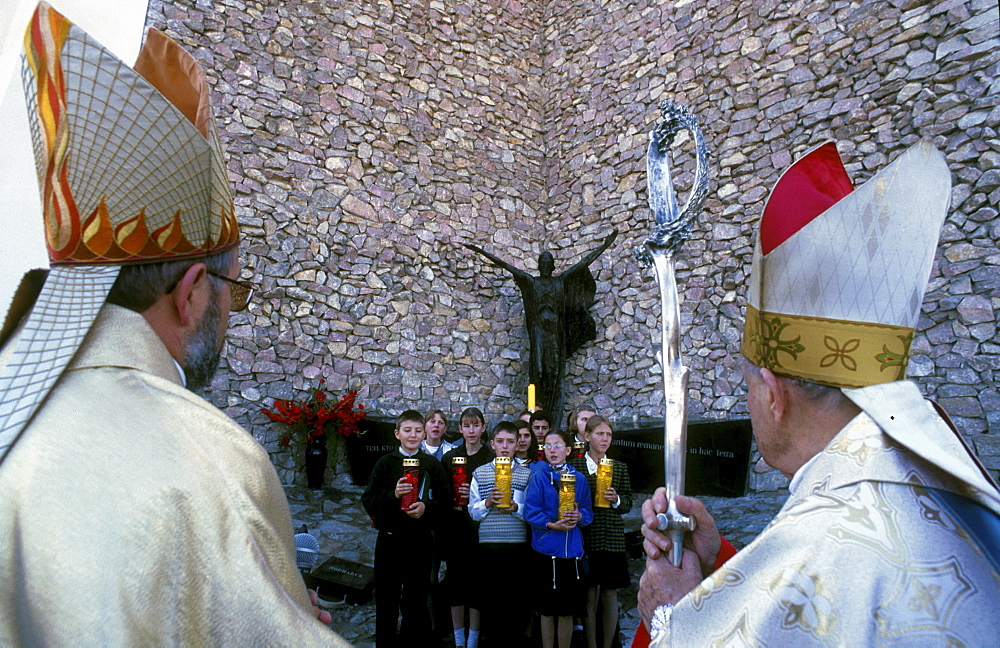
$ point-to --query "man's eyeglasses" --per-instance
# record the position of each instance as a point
(240, 292)
(554, 446)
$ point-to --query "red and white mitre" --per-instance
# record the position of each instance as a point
(839, 273)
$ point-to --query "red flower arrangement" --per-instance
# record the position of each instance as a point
(314, 416)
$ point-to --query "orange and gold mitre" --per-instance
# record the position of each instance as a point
(129, 162)
(839, 273)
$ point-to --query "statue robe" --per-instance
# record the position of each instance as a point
(132, 512)
(866, 551)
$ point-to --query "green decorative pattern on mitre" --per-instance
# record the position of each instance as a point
(830, 352)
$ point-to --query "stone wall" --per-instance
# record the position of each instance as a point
(769, 80)
(368, 142)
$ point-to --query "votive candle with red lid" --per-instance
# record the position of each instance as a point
(411, 473)
(459, 477)
(579, 447)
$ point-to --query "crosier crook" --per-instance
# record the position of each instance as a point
(673, 226)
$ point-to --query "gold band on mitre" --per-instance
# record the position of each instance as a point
(837, 353)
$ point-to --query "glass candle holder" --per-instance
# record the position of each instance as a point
(567, 494)
(459, 478)
(605, 471)
(411, 473)
(504, 480)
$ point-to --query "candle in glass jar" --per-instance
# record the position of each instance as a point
(605, 470)
(579, 447)
(567, 494)
(411, 473)
(503, 480)
(459, 477)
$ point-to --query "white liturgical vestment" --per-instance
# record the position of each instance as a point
(134, 513)
(866, 551)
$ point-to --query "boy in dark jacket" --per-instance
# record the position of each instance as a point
(404, 547)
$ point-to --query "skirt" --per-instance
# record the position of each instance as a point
(608, 569)
(561, 586)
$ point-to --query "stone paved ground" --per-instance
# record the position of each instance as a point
(335, 516)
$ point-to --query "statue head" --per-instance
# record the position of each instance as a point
(546, 264)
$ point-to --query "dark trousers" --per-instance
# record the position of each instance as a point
(504, 586)
(402, 587)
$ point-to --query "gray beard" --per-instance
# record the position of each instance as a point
(201, 358)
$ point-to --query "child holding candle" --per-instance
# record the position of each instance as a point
(604, 539)
(404, 546)
(557, 539)
(503, 536)
(461, 540)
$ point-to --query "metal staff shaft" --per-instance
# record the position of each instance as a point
(673, 226)
(675, 378)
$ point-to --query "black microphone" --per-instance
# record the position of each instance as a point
(306, 551)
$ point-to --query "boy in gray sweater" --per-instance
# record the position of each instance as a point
(503, 540)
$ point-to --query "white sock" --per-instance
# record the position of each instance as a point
(473, 639)
(460, 637)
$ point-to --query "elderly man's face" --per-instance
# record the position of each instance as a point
(204, 348)
(770, 442)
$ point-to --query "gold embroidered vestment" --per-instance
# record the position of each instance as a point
(132, 512)
(863, 553)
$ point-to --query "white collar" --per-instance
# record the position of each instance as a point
(591, 464)
(180, 370)
(797, 477)
(408, 454)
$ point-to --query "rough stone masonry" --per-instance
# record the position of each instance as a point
(367, 141)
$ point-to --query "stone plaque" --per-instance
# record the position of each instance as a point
(718, 455)
(366, 449)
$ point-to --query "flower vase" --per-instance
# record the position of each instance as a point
(315, 462)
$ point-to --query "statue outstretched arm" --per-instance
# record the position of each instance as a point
(593, 254)
(517, 272)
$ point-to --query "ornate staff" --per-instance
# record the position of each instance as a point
(673, 226)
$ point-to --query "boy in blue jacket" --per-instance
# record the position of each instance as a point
(562, 589)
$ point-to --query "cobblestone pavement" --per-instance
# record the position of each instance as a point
(337, 519)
